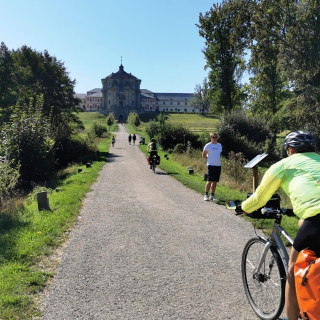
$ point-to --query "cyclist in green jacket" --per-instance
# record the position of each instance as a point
(299, 176)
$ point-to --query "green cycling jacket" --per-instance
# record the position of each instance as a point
(299, 176)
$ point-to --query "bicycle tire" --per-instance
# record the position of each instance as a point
(265, 291)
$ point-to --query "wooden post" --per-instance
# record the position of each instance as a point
(43, 201)
(255, 178)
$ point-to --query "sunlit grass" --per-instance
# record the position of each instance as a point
(28, 236)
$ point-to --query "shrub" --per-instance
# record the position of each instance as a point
(111, 119)
(179, 148)
(152, 128)
(27, 141)
(134, 119)
(234, 165)
(99, 129)
(9, 176)
(75, 149)
(239, 133)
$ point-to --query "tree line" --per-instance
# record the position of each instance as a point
(276, 44)
(37, 122)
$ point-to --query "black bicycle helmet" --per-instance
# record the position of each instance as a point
(302, 141)
(152, 140)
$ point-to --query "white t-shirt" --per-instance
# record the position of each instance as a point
(214, 151)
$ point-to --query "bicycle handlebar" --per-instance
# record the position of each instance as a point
(267, 212)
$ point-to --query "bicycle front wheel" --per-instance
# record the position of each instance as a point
(265, 288)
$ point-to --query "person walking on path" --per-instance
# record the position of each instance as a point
(212, 153)
(113, 141)
(129, 138)
(134, 138)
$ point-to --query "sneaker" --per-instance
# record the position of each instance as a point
(212, 198)
(206, 198)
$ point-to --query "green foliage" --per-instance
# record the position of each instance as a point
(201, 97)
(99, 129)
(204, 137)
(168, 136)
(223, 55)
(234, 165)
(111, 119)
(240, 133)
(28, 237)
(36, 97)
(76, 149)
(179, 148)
(134, 119)
(27, 141)
(152, 128)
(9, 177)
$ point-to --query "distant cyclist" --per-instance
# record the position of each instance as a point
(299, 176)
(152, 148)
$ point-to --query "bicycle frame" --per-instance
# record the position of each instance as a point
(264, 268)
(275, 239)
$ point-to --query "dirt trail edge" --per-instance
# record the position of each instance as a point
(146, 247)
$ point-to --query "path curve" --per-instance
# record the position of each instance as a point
(146, 247)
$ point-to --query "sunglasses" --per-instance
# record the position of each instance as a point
(214, 137)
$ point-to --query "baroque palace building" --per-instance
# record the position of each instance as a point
(121, 94)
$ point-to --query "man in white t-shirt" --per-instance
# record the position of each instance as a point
(212, 153)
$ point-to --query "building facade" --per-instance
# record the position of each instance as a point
(121, 94)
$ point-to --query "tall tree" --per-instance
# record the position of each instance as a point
(268, 83)
(224, 55)
(39, 73)
(201, 97)
(295, 26)
(7, 92)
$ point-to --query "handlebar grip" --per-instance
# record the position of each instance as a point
(266, 211)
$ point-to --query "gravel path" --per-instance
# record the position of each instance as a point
(146, 247)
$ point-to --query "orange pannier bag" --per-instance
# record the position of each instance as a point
(307, 281)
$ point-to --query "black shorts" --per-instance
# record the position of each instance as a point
(308, 235)
(214, 173)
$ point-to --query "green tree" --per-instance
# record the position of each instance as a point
(111, 119)
(201, 97)
(268, 86)
(39, 73)
(7, 92)
(286, 34)
(27, 141)
(134, 119)
(223, 54)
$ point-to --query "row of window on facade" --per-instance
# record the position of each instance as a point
(178, 103)
(177, 110)
(94, 99)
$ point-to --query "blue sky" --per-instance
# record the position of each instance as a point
(158, 40)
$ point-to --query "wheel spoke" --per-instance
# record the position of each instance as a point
(264, 289)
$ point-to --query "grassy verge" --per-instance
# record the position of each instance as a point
(29, 237)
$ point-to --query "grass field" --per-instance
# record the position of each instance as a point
(196, 123)
(88, 117)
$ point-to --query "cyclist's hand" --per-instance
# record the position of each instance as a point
(239, 210)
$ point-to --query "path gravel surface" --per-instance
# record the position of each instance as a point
(146, 247)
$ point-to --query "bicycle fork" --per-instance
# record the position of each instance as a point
(262, 276)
